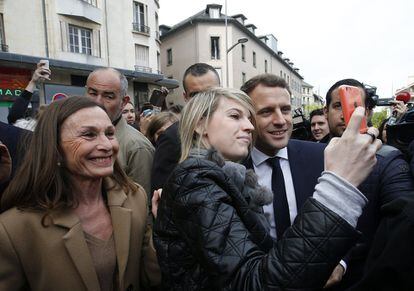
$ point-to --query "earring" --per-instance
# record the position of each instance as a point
(59, 164)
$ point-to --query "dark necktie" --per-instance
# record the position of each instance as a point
(280, 204)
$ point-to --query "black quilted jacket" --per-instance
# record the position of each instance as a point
(209, 237)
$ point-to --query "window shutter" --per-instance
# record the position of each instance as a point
(96, 43)
(64, 34)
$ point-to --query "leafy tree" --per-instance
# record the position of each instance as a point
(378, 117)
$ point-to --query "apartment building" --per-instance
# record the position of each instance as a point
(77, 36)
(407, 88)
(310, 100)
(202, 38)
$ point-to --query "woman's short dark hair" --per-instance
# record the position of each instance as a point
(40, 183)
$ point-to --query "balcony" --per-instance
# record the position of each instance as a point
(4, 48)
(84, 10)
(91, 2)
(143, 69)
(137, 27)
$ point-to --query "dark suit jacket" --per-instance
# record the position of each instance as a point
(16, 140)
(166, 157)
(306, 160)
(390, 180)
(390, 262)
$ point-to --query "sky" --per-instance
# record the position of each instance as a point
(328, 40)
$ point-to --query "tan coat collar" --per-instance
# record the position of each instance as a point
(75, 241)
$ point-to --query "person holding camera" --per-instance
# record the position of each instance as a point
(19, 107)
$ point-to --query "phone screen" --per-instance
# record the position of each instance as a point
(351, 98)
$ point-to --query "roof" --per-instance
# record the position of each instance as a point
(203, 17)
(304, 84)
(84, 69)
(239, 16)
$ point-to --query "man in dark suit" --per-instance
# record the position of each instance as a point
(389, 181)
(289, 167)
(198, 77)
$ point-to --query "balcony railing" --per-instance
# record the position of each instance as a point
(143, 69)
(4, 48)
(140, 28)
(91, 2)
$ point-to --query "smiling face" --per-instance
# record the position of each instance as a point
(319, 126)
(129, 113)
(273, 118)
(229, 130)
(88, 144)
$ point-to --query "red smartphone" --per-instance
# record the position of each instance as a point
(351, 98)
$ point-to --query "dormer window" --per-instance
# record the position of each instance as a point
(214, 12)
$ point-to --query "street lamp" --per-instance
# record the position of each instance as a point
(240, 40)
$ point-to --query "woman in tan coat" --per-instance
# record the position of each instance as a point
(71, 219)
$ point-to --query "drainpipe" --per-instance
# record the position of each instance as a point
(107, 34)
(45, 28)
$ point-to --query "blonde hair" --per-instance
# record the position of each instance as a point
(200, 108)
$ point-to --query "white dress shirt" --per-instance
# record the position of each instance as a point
(264, 172)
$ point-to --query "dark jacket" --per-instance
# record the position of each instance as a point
(390, 261)
(16, 141)
(390, 180)
(211, 235)
(19, 107)
(166, 156)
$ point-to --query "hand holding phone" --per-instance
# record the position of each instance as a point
(351, 98)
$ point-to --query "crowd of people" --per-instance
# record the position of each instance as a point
(99, 194)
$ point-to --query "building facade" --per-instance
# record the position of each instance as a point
(408, 88)
(202, 38)
(310, 100)
(77, 36)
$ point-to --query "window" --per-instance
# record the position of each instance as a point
(288, 80)
(214, 13)
(243, 77)
(281, 74)
(169, 57)
(158, 63)
(265, 66)
(142, 58)
(157, 33)
(254, 59)
(215, 47)
(140, 21)
(4, 47)
(243, 48)
(92, 2)
(80, 40)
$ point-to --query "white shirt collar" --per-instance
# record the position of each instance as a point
(258, 157)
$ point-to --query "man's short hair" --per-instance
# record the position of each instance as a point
(349, 82)
(199, 69)
(316, 112)
(268, 80)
